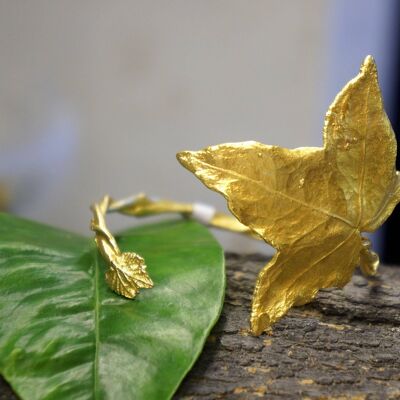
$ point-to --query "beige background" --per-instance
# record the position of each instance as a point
(111, 90)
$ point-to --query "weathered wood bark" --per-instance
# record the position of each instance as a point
(344, 345)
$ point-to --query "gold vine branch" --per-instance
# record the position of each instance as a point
(127, 272)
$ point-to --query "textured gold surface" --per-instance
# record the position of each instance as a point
(141, 206)
(127, 271)
(311, 204)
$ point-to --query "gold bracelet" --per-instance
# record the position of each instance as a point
(127, 271)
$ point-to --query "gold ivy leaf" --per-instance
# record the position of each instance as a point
(311, 204)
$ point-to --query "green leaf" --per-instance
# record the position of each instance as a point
(65, 335)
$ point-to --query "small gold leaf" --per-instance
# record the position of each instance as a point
(311, 204)
(127, 274)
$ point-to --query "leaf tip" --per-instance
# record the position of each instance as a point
(259, 323)
(369, 65)
(185, 158)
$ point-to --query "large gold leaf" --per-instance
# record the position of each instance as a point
(311, 203)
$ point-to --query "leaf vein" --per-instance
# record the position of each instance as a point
(275, 192)
(362, 164)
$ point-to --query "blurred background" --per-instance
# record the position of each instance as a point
(97, 96)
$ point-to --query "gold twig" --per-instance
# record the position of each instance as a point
(141, 205)
(127, 271)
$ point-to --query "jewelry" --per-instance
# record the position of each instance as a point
(127, 271)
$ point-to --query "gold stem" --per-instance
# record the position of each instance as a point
(127, 271)
(141, 205)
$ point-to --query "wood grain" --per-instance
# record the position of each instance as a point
(344, 345)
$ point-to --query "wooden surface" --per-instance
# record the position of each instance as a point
(344, 345)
